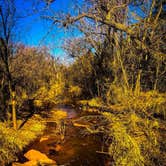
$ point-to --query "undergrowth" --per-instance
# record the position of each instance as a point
(13, 141)
(134, 140)
(136, 127)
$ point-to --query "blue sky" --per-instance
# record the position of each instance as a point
(33, 30)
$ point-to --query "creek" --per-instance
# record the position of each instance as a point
(76, 149)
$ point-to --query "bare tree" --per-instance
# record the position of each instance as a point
(7, 23)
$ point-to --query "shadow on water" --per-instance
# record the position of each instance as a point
(76, 149)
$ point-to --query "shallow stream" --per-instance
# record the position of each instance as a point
(77, 148)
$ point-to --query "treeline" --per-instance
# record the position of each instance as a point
(117, 53)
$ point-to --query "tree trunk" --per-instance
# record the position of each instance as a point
(14, 118)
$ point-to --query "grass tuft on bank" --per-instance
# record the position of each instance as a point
(13, 141)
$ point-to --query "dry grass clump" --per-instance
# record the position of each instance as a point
(124, 148)
(135, 140)
(94, 102)
(135, 126)
(12, 141)
(145, 103)
(59, 114)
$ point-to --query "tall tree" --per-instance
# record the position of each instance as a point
(7, 23)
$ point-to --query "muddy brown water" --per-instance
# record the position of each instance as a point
(77, 149)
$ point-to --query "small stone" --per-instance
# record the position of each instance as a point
(34, 155)
(58, 148)
(28, 163)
